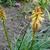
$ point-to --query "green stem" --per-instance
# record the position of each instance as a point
(6, 35)
(33, 36)
(33, 40)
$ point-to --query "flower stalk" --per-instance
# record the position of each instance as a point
(6, 35)
(37, 18)
(3, 19)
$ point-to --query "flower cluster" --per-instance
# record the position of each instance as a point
(37, 18)
(2, 13)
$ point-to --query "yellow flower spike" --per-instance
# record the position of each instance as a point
(37, 18)
(2, 13)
